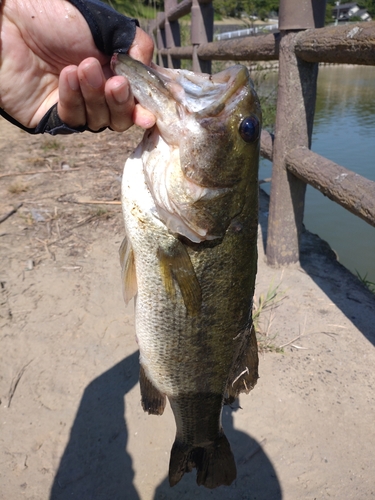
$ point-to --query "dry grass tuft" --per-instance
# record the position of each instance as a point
(18, 187)
(263, 315)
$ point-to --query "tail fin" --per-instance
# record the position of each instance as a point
(214, 463)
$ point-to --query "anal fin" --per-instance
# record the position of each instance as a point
(153, 401)
(244, 372)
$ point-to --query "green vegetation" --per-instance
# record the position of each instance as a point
(369, 5)
(263, 315)
(369, 284)
(237, 8)
(147, 9)
(267, 101)
(262, 8)
(100, 212)
(268, 105)
(140, 9)
(51, 145)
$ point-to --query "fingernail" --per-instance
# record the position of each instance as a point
(94, 78)
(121, 93)
(73, 80)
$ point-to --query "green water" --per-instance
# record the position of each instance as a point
(344, 132)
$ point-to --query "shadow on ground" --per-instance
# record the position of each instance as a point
(95, 464)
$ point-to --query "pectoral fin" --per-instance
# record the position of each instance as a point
(128, 274)
(176, 266)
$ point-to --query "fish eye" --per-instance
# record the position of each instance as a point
(249, 128)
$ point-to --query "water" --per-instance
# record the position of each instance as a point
(344, 132)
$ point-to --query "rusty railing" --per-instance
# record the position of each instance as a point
(302, 43)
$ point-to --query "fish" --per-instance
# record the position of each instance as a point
(189, 257)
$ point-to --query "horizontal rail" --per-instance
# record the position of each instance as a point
(349, 44)
(353, 44)
(255, 48)
(350, 190)
(178, 52)
(259, 48)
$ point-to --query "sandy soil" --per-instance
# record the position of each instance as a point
(71, 422)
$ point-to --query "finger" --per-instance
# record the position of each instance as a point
(142, 47)
(92, 84)
(71, 107)
(142, 117)
(123, 111)
(120, 102)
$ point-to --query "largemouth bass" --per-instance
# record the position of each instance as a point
(190, 204)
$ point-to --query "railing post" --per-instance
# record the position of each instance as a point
(202, 28)
(294, 121)
(160, 41)
(172, 34)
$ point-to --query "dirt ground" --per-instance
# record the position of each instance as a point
(71, 422)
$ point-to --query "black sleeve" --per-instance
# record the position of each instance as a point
(112, 32)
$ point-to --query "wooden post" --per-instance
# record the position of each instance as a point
(294, 121)
(202, 22)
(172, 34)
(160, 41)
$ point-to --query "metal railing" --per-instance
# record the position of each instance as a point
(301, 44)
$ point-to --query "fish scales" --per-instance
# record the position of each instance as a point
(191, 261)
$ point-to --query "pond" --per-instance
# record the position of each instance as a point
(344, 132)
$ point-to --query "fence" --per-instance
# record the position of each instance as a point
(302, 43)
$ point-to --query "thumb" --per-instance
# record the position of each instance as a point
(142, 47)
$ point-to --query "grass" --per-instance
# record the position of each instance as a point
(51, 145)
(18, 187)
(369, 284)
(100, 212)
(134, 8)
(268, 112)
(263, 315)
(27, 218)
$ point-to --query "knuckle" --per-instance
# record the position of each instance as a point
(120, 125)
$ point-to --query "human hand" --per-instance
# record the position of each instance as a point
(48, 55)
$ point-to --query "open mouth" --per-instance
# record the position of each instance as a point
(203, 94)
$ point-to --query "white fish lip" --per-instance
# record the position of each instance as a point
(163, 91)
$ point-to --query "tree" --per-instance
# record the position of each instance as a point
(260, 8)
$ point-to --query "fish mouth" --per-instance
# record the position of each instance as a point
(195, 192)
(172, 92)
